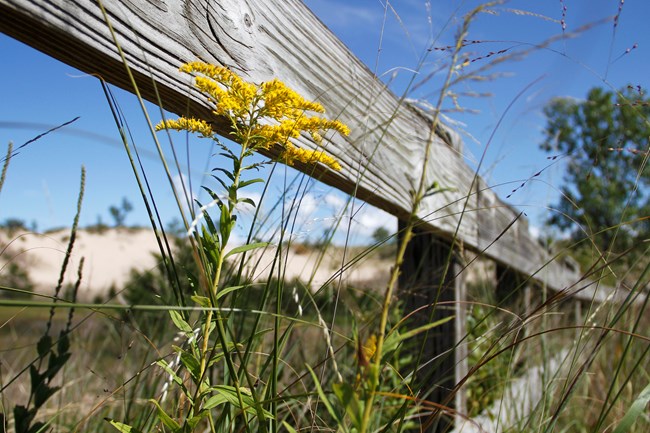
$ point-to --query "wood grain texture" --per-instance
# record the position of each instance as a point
(262, 39)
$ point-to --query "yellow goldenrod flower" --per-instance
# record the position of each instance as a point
(185, 124)
(370, 347)
(365, 352)
(246, 104)
(292, 154)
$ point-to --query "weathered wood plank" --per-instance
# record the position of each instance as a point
(262, 39)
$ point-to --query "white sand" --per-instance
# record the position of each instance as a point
(368, 272)
(110, 256)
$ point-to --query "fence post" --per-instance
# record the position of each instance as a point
(428, 298)
(510, 288)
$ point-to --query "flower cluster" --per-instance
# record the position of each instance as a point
(185, 124)
(261, 116)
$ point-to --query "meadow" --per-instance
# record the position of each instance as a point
(214, 339)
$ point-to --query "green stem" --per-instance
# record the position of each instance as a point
(220, 328)
(418, 196)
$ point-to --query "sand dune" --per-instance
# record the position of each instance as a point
(109, 257)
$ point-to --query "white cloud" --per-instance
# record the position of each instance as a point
(370, 219)
(182, 186)
(305, 214)
(534, 231)
(335, 202)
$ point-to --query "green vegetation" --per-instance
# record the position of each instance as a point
(604, 204)
(119, 213)
(203, 343)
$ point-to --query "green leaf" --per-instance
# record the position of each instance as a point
(326, 400)
(212, 194)
(194, 421)
(224, 226)
(211, 230)
(348, 399)
(163, 364)
(249, 182)
(255, 166)
(224, 292)
(230, 394)
(288, 427)
(637, 408)
(211, 245)
(227, 153)
(214, 401)
(192, 364)
(202, 301)
(372, 375)
(124, 428)
(247, 247)
(166, 419)
(248, 201)
(226, 172)
(180, 323)
(395, 338)
(221, 181)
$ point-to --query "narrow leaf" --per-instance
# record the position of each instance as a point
(288, 427)
(349, 400)
(325, 400)
(180, 323)
(192, 364)
(224, 292)
(230, 394)
(395, 338)
(637, 408)
(249, 182)
(213, 195)
(247, 247)
(214, 401)
(202, 301)
(248, 201)
(221, 181)
(124, 428)
(163, 364)
(164, 418)
(226, 172)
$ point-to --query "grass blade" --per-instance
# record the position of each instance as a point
(637, 408)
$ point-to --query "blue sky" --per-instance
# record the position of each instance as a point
(38, 92)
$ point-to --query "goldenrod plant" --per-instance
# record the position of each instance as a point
(260, 116)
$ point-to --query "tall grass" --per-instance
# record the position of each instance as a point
(205, 345)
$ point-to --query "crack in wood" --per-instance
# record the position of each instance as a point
(160, 4)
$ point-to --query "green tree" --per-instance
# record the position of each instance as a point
(380, 234)
(119, 213)
(605, 139)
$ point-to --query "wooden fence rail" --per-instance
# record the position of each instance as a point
(263, 39)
